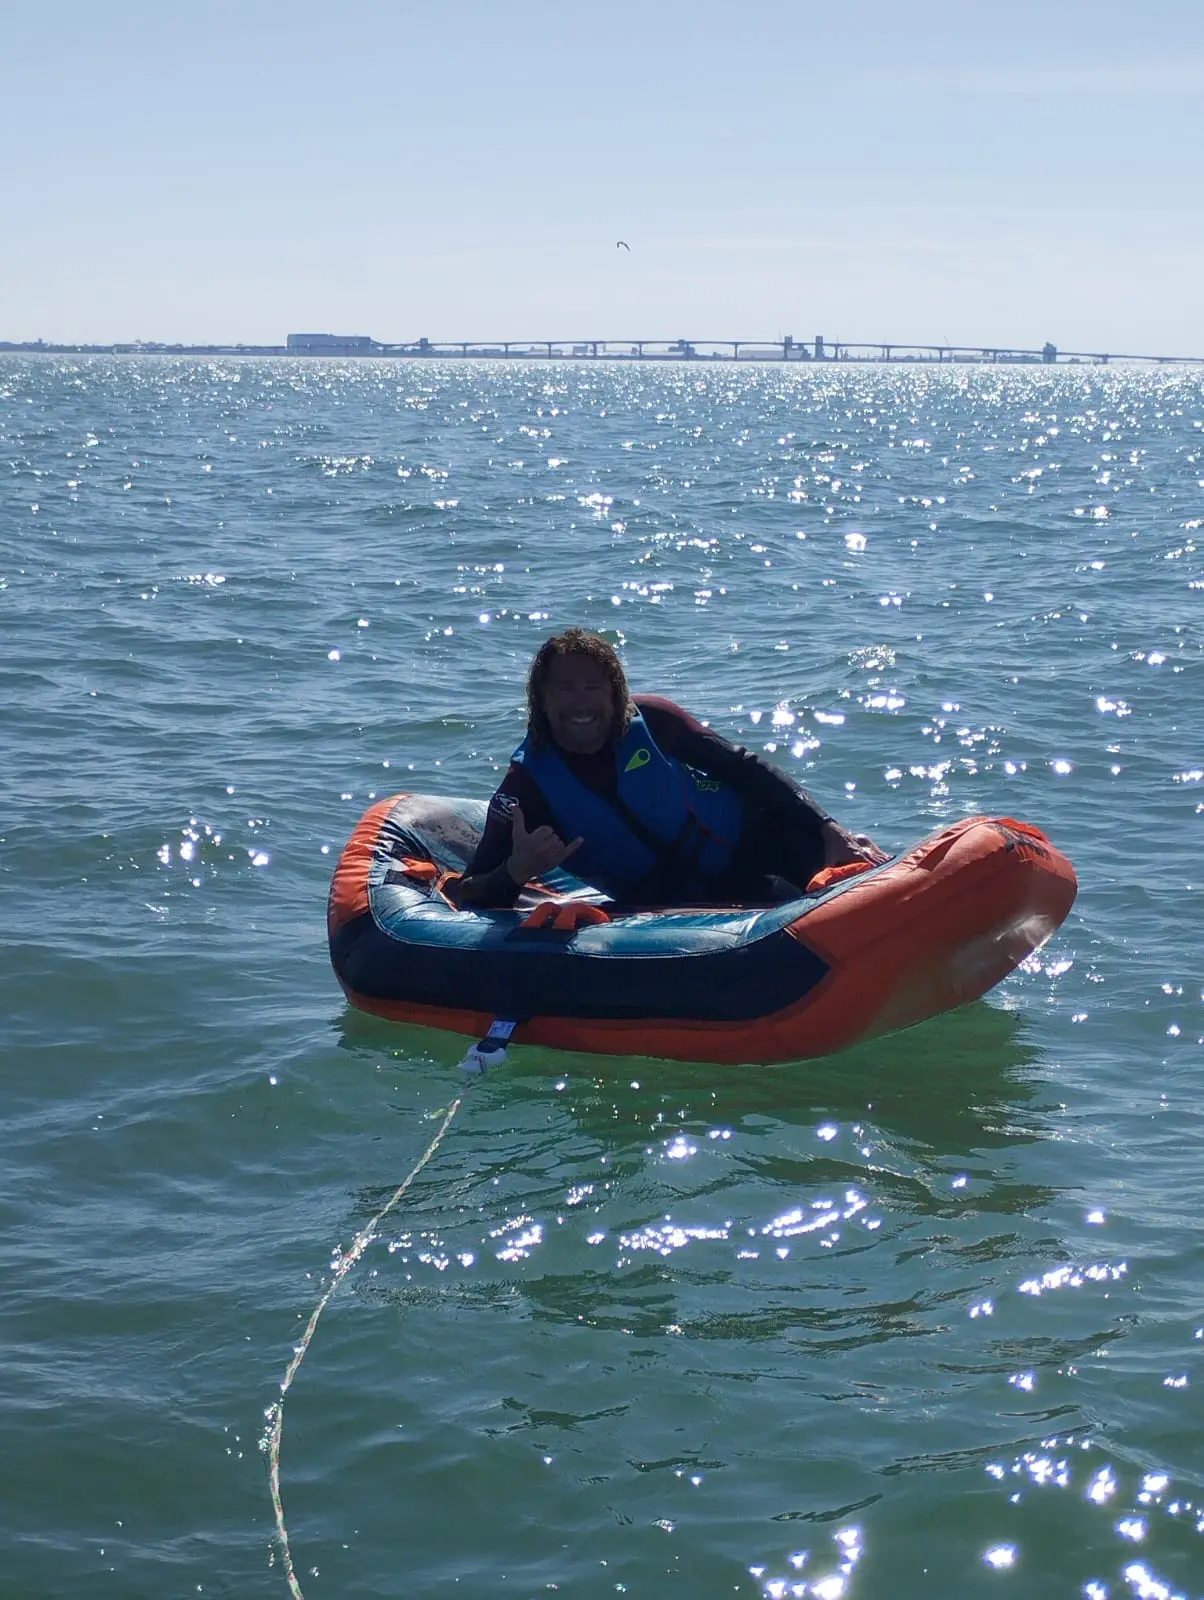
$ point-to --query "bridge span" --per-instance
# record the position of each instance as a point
(784, 349)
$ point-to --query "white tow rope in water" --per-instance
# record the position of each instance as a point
(487, 1052)
(275, 1413)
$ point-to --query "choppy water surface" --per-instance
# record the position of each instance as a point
(922, 1319)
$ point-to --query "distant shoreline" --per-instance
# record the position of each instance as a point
(728, 351)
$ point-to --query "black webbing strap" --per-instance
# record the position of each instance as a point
(668, 852)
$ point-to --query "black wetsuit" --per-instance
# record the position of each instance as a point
(781, 835)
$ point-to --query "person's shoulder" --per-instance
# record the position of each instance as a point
(658, 710)
(658, 703)
(515, 780)
(517, 787)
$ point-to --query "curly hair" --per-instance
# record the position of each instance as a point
(575, 642)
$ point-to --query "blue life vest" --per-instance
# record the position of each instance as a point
(695, 819)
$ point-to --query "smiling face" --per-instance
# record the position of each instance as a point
(579, 703)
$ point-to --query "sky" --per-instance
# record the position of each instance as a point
(928, 171)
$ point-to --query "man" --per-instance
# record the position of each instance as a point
(637, 797)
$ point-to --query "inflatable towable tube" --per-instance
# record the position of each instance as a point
(851, 959)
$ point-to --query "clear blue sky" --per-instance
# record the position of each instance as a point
(959, 170)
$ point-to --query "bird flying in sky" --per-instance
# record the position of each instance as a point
(621, 244)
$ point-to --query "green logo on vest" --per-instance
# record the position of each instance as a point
(641, 758)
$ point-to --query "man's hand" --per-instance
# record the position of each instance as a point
(841, 847)
(537, 852)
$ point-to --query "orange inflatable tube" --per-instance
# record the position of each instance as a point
(861, 956)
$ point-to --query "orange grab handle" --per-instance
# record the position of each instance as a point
(564, 914)
(418, 867)
(827, 876)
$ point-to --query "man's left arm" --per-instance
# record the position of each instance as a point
(758, 782)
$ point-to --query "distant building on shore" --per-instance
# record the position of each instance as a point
(330, 344)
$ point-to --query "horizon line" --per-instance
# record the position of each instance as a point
(784, 348)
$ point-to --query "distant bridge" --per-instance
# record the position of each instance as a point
(781, 349)
(785, 349)
(817, 351)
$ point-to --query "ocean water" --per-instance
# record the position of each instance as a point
(922, 1319)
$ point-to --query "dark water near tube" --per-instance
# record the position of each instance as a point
(924, 1319)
